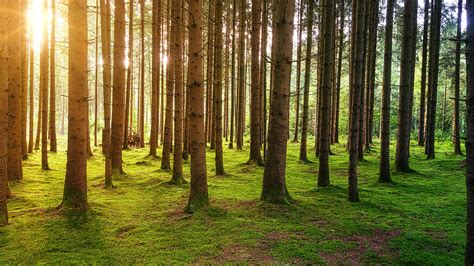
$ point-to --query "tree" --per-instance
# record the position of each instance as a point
(328, 26)
(241, 75)
(337, 91)
(4, 54)
(15, 171)
(469, 253)
(433, 74)
(218, 67)
(107, 75)
(75, 185)
(198, 197)
(357, 61)
(156, 62)
(118, 88)
(24, 79)
(52, 99)
(44, 81)
(209, 74)
(406, 76)
(384, 171)
(255, 126)
(274, 183)
(298, 69)
(457, 85)
(179, 94)
(128, 121)
(141, 121)
(31, 96)
(232, 86)
(424, 63)
(307, 80)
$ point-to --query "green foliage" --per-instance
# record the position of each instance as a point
(418, 220)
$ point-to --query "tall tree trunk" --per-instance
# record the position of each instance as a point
(328, 24)
(335, 130)
(457, 85)
(198, 197)
(241, 76)
(232, 86)
(469, 252)
(263, 76)
(142, 73)
(424, 63)
(178, 94)
(357, 77)
(31, 95)
(406, 75)
(128, 121)
(15, 154)
(384, 171)
(118, 88)
(155, 97)
(218, 67)
(106, 55)
(255, 126)
(52, 101)
(298, 70)
(433, 77)
(96, 78)
(38, 122)
(44, 80)
(307, 80)
(209, 75)
(24, 78)
(274, 181)
(75, 185)
(4, 94)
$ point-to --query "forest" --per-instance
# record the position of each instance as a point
(237, 132)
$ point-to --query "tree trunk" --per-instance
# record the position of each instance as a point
(469, 253)
(52, 101)
(96, 78)
(384, 171)
(371, 73)
(298, 70)
(335, 131)
(156, 17)
(44, 80)
(232, 86)
(198, 197)
(255, 125)
(128, 122)
(307, 80)
(142, 72)
(38, 122)
(118, 88)
(24, 78)
(433, 77)
(209, 75)
(14, 90)
(406, 75)
(31, 96)
(457, 85)
(274, 183)
(424, 56)
(178, 95)
(241, 76)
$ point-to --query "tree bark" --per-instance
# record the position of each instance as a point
(274, 183)
(24, 78)
(457, 85)
(44, 80)
(424, 62)
(52, 100)
(128, 121)
(298, 70)
(198, 197)
(142, 73)
(241, 76)
(31, 96)
(118, 88)
(75, 185)
(155, 90)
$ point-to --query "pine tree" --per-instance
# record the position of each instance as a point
(457, 85)
(52, 77)
(424, 63)
(156, 63)
(44, 82)
(218, 68)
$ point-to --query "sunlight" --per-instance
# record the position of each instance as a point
(35, 18)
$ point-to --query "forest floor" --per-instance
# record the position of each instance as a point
(420, 218)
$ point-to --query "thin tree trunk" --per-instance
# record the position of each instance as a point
(75, 185)
(128, 121)
(457, 85)
(424, 62)
(371, 73)
(38, 122)
(24, 78)
(155, 97)
(335, 131)
(232, 87)
(209, 75)
(44, 79)
(241, 76)
(31, 96)
(198, 197)
(274, 182)
(96, 78)
(142, 73)
(218, 67)
(52, 101)
(263, 75)
(298, 70)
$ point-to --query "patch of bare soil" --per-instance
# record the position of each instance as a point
(378, 243)
(259, 254)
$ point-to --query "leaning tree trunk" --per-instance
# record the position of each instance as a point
(307, 80)
(457, 85)
(44, 80)
(274, 182)
(384, 170)
(255, 125)
(469, 253)
(118, 88)
(218, 67)
(406, 74)
(75, 185)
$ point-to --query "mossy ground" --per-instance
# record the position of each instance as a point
(420, 218)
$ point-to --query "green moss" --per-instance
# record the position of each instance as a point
(142, 219)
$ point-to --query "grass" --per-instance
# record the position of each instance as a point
(419, 219)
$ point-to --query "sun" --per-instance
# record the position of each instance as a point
(35, 17)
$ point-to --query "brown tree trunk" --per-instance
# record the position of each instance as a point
(38, 122)
(75, 185)
(24, 78)
(307, 80)
(274, 182)
(263, 76)
(198, 197)
(52, 101)
(31, 96)
(118, 88)
(406, 74)
(128, 121)
(241, 76)
(15, 154)
(142, 73)
(255, 126)
(155, 90)
(232, 86)
(335, 130)
(328, 25)
(424, 62)
(96, 78)
(209, 75)
(384, 170)
(433, 77)
(44, 80)
(106, 55)
(218, 67)
(457, 85)
(298, 70)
